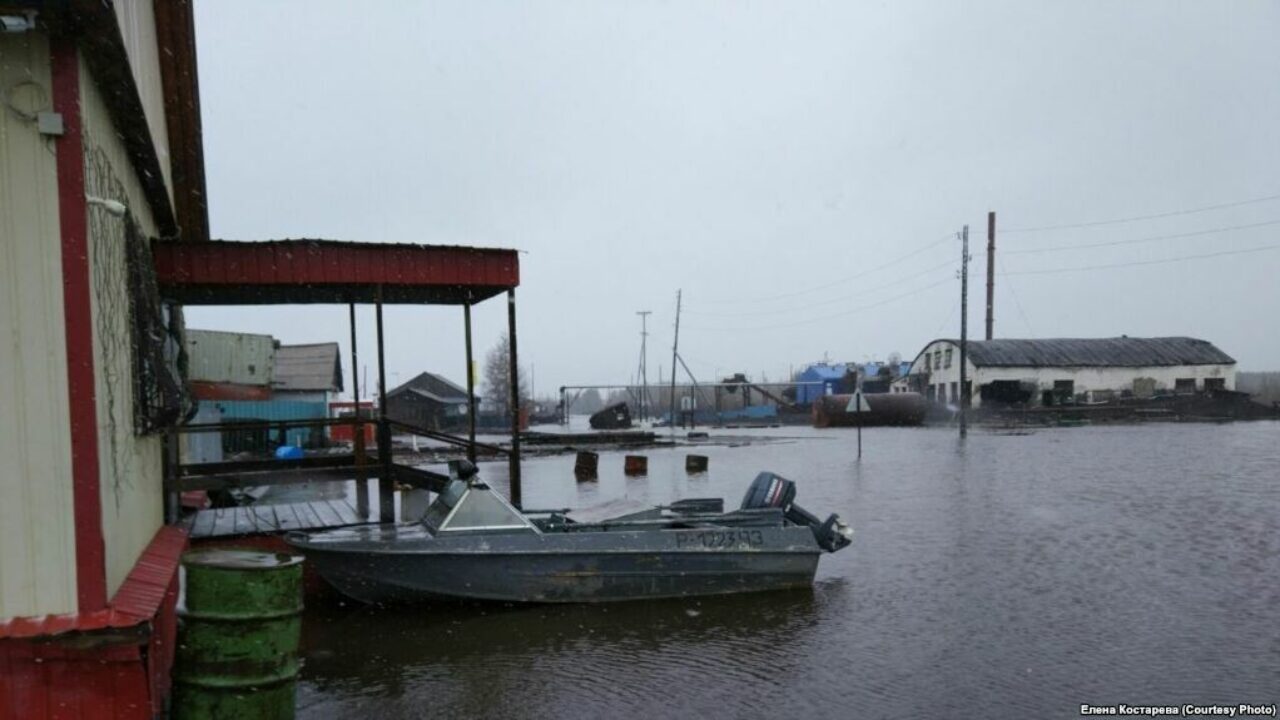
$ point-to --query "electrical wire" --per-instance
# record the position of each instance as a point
(1052, 271)
(1134, 241)
(841, 281)
(1136, 218)
(824, 318)
(954, 308)
(861, 293)
(1016, 301)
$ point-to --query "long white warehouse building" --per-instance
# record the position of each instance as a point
(1054, 371)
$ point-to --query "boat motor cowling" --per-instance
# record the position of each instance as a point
(462, 470)
(773, 491)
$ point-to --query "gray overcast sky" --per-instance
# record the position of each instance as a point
(766, 157)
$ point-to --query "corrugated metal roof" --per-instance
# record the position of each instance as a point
(308, 367)
(327, 271)
(1095, 352)
(230, 357)
(435, 387)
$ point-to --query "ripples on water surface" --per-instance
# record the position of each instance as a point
(1008, 576)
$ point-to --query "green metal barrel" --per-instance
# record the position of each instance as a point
(237, 654)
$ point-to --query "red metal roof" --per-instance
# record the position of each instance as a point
(328, 271)
(202, 390)
(136, 602)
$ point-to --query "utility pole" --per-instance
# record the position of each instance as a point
(991, 274)
(644, 362)
(675, 352)
(964, 327)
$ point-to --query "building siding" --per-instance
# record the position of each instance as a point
(130, 465)
(37, 538)
(137, 20)
(276, 410)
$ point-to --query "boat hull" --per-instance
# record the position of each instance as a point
(572, 567)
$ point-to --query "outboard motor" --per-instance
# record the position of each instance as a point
(462, 470)
(772, 491)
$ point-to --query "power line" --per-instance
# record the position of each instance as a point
(862, 293)
(1051, 271)
(1016, 302)
(1136, 218)
(1134, 241)
(947, 321)
(824, 318)
(841, 281)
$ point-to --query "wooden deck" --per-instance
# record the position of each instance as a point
(273, 519)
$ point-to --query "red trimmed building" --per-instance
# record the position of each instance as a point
(103, 237)
(100, 152)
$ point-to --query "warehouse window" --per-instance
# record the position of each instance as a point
(927, 364)
(1064, 390)
(1215, 383)
(937, 359)
(948, 360)
(1184, 386)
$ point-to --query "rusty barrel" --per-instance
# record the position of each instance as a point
(586, 467)
(237, 654)
(695, 463)
(636, 465)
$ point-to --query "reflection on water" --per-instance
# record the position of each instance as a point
(507, 661)
(1011, 575)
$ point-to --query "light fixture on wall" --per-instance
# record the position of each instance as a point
(14, 23)
(115, 207)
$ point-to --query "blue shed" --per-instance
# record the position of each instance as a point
(831, 377)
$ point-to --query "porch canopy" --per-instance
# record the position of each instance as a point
(289, 272)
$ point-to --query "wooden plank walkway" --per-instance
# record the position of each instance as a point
(272, 519)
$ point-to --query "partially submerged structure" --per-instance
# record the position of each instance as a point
(430, 401)
(614, 417)
(1068, 370)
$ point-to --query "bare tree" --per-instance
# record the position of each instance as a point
(497, 376)
(588, 402)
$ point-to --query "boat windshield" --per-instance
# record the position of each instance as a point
(471, 508)
(444, 503)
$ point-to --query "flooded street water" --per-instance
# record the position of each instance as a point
(1011, 575)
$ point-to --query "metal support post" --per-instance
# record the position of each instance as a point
(471, 387)
(357, 437)
(386, 486)
(514, 462)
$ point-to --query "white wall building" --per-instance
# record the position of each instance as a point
(1040, 372)
(100, 154)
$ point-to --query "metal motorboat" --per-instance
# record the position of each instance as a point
(471, 544)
